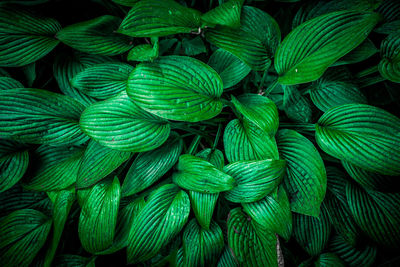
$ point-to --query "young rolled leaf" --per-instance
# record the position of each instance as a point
(58, 167)
(102, 81)
(159, 221)
(230, 68)
(40, 117)
(96, 36)
(177, 88)
(9, 83)
(98, 217)
(120, 124)
(363, 135)
(202, 247)
(227, 14)
(25, 37)
(254, 179)
(150, 166)
(254, 42)
(389, 67)
(313, 46)
(196, 174)
(272, 213)
(14, 160)
(250, 245)
(259, 110)
(306, 176)
(244, 140)
(98, 162)
(153, 18)
(23, 233)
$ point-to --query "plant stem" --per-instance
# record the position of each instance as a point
(367, 72)
(269, 88)
(184, 127)
(194, 145)
(262, 81)
(216, 140)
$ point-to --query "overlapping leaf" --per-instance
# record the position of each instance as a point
(177, 88)
(9, 83)
(40, 117)
(362, 52)
(227, 14)
(144, 52)
(118, 123)
(227, 259)
(363, 135)
(295, 105)
(389, 67)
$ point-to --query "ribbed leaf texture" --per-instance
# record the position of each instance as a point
(227, 14)
(362, 52)
(389, 67)
(9, 83)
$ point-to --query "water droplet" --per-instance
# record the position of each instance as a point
(295, 70)
(170, 12)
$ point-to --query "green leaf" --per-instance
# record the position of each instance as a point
(259, 110)
(150, 166)
(244, 140)
(250, 245)
(323, 40)
(226, 14)
(98, 217)
(329, 259)
(388, 27)
(227, 259)
(25, 37)
(312, 233)
(14, 160)
(363, 135)
(362, 52)
(295, 105)
(98, 162)
(254, 42)
(230, 68)
(23, 233)
(154, 18)
(214, 156)
(201, 247)
(272, 213)
(129, 3)
(29, 73)
(329, 91)
(389, 67)
(144, 52)
(96, 36)
(68, 260)
(177, 88)
(196, 174)
(306, 176)
(120, 124)
(389, 9)
(254, 179)
(40, 117)
(161, 219)
(9, 83)
(376, 213)
(102, 81)
(193, 47)
(57, 167)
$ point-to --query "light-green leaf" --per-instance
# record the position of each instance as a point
(227, 14)
(144, 52)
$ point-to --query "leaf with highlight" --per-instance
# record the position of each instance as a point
(226, 14)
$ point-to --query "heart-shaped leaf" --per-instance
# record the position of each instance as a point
(177, 88)
(118, 123)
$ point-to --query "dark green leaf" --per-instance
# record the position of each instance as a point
(389, 67)
(362, 52)
(329, 260)
(226, 14)
(193, 47)
(68, 260)
(227, 259)
(295, 105)
(9, 83)
(126, 2)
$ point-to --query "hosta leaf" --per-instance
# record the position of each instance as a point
(120, 124)
(254, 179)
(144, 52)
(272, 213)
(214, 156)
(323, 40)
(329, 260)
(177, 88)
(98, 216)
(58, 167)
(67, 260)
(150, 166)
(305, 176)
(388, 27)
(250, 245)
(196, 174)
(193, 47)
(9, 83)
(389, 10)
(376, 213)
(23, 233)
(362, 52)
(312, 233)
(14, 160)
(231, 69)
(389, 67)
(126, 2)
(353, 257)
(96, 36)
(202, 247)
(328, 91)
(160, 220)
(363, 135)
(227, 259)
(40, 117)
(67, 66)
(102, 81)
(153, 18)
(25, 38)
(259, 110)
(254, 42)
(98, 162)
(226, 14)
(295, 105)
(244, 140)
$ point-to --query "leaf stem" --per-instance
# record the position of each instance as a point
(269, 88)
(262, 81)
(367, 72)
(184, 127)
(194, 145)
(216, 140)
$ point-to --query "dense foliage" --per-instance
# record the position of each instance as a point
(199, 133)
